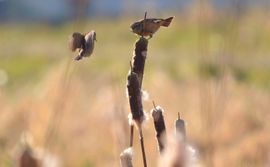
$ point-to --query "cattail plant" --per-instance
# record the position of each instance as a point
(135, 101)
(134, 86)
(180, 128)
(137, 66)
(157, 114)
(126, 158)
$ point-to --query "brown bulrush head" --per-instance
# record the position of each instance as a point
(180, 128)
(126, 158)
(84, 43)
(135, 99)
(139, 57)
(157, 114)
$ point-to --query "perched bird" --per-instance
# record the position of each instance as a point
(84, 43)
(147, 27)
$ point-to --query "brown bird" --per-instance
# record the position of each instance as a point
(84, 43)
(147, 27)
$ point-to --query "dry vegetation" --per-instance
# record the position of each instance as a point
(217, 80)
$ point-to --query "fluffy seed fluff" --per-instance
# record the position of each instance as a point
(131, 121)
(145, 95)
(126, 157)
(174, 154)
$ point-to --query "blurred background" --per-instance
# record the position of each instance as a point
(212, 65)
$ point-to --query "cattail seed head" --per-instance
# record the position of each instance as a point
(139, 57)
(157, 114)
(180, 128)
(135, 99)
(126, 157)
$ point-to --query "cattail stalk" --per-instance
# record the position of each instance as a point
(131, 135)
(142, 148)
(157, 114)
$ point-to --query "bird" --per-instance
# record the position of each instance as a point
(147, 27)
(83, 42)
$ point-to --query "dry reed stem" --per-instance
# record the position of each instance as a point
(180, 128)
(157, 114)
(126, 158)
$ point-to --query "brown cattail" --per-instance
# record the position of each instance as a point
(137, 66)
(180, 128)
(157, 114)
(135, 99)
(126, 158)
(139, 56)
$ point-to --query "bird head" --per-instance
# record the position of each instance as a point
(136, 27)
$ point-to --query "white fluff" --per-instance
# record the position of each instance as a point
(126, 157)
(145, 95)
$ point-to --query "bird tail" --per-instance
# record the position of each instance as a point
(167, 22)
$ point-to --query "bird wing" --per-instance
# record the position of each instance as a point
(76, 40)
(89, 43)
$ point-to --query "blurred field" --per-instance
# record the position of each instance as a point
(216, 74)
